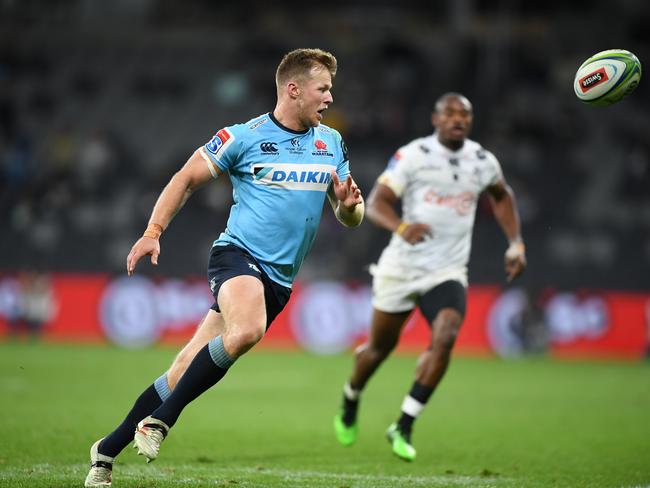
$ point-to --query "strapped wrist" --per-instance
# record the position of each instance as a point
(402, 227)
(153, 231)
(516, 249)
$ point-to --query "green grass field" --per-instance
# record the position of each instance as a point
(492, 423)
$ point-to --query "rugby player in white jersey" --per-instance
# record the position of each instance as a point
(438, 179)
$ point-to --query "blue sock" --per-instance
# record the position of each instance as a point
(206, 369)
(147, 402)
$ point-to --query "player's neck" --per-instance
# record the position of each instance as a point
(451, 144)
(288, 119)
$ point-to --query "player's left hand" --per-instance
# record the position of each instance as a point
(347, 192)
(515, 260)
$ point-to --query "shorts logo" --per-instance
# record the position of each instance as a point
(253, 267)
(269, 147)
(220, 141)
(592, 80)
(313, 177)
(213, 284)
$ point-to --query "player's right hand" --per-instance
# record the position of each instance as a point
(143, 246)
(416, 232)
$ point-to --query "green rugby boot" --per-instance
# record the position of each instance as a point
(346, 435)
(402, 447)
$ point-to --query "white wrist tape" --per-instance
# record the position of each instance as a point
(515, 250)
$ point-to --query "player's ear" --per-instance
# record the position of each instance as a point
(293, 89)
(434, 119)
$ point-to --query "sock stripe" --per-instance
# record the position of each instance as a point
(162, 387)
(218, 354)
(411, 406)
(350, 393)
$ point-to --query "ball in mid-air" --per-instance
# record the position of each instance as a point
(607, 77)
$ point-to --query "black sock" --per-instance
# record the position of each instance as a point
(201, 374)
(350, 408)
(117, 440)
(405, 425)
(351, 399)
(412, 406)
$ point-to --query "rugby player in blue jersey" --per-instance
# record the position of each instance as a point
(282, 165)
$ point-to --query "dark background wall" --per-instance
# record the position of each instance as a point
(100, 102)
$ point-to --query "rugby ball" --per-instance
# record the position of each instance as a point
(607, 77)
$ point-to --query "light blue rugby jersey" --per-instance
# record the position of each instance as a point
(280, 179)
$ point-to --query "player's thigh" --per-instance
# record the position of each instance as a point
(444, 308)
(445, 302)
(241, 301)
(210, 327)
(393, 299)
(385, 328)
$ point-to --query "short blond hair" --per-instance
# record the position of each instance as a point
(299, 62)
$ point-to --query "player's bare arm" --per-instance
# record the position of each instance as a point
(505, 211)
(194, 173)
(346, 201)
(381, 212)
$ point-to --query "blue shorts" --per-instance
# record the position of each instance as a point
(229, 261)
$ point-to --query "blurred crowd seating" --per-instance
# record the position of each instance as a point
(100, 102)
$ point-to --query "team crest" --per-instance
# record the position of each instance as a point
(321, 149)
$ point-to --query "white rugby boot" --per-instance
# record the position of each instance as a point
(101, 468)
(148, 437)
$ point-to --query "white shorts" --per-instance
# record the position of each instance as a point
(399, 292)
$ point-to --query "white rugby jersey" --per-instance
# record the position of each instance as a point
(438, 187)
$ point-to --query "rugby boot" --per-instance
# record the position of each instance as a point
(148, 437)
(101, 468)
(401, 444)
(345, 434)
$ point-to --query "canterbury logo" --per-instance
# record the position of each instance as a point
(269, 147)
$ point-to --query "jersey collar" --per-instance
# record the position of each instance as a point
(277, 122)
(435, 144)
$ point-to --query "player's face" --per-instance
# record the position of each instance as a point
(315, 96)
(453, 120)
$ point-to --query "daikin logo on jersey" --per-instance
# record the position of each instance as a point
(314, 177)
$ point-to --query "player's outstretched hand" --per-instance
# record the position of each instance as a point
(515, 260)
(347, 192)
(144, 246)
(416, 232)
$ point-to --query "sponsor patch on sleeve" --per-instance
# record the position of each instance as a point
(392, 162)
(219, 142)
